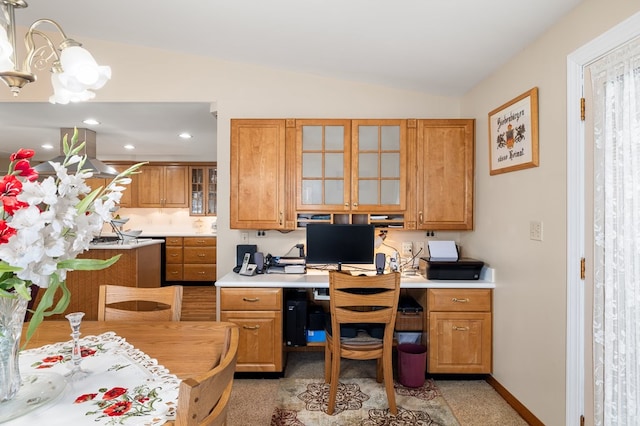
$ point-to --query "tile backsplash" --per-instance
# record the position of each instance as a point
(162, 220)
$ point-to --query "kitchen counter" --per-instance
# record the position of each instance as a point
(320, 279)
(133, 244)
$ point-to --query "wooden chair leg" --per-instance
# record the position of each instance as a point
(327, 363)
(387, 371)
(333, 388)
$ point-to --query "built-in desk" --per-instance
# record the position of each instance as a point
(457, 321)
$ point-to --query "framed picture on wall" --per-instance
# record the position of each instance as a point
(513, 134)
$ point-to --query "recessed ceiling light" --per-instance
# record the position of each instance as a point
(185, 135)
(47, 146)
(129, 147)
(91, 122)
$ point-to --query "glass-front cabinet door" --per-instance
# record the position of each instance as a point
(378, 165)
(324, 165)
(351, 165)
(203, 190)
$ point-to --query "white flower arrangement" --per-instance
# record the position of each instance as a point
(45, 225)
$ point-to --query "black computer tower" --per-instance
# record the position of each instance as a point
(295, 317)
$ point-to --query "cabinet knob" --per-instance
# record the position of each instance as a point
(355, 204)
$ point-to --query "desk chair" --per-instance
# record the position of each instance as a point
(349, 304)
(203, 401)
(112, 294)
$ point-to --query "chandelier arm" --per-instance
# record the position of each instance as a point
(30, 43)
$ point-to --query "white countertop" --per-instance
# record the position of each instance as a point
(320, 279)
(176, 234)
(133, 244)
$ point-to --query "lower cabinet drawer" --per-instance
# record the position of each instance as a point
(197, 272)
(457, 300)
(199, 255)
(173, 272)
(251, 299)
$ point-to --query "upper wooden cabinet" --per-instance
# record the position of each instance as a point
(203, 193)
(258, 174)
(163, 186)
(351, 165)
(445, 165)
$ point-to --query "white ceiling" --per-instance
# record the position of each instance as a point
(435, 46)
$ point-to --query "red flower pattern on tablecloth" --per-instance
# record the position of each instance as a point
(121, 403)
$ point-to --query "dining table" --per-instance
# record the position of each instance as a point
(128, 373)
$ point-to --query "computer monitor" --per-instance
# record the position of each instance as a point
(340, 243)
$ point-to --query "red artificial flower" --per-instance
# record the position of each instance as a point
(84, 398)
(12, 205)
(6, 232)
(22, 154)
(52, 359)
(26, 170)
(117, 409)
(114, 393)
(10, 186)
(86, 351)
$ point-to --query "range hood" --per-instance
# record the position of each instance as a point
(98, 168)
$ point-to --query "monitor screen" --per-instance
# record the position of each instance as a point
(340, 243)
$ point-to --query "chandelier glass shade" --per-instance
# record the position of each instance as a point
(75, 74)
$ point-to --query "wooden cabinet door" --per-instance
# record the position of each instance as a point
(162, 186)
(151, 186)
(258, 174)
(378, 165)
(260, 344)
(445, 153)
(460, 342)
(175, 179)
(129, 195)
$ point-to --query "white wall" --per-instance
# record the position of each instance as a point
(530, 298)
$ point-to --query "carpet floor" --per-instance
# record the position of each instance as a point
(254, 401)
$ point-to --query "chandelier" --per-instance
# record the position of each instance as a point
(74, 71)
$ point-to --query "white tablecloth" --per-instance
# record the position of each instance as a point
(124, 386)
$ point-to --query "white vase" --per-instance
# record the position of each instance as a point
(12, 312)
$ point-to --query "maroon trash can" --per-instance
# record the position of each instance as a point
(412, 364)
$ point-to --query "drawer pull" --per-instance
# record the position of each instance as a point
(174, 272)
(201, 255)
(456, 300)
(456, 328)
(249, 327)
(255, 299)
(173, 255)
(201, 272)
(200, 241)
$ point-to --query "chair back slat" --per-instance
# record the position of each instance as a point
(167, 300)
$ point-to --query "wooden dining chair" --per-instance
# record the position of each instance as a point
(165, 303)
(203, 401)
(354, 301)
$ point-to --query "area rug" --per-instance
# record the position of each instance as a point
(303, 402)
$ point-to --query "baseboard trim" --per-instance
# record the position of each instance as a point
(523, 411)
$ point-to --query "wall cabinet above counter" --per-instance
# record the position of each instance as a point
(169, 185)
(397, 173)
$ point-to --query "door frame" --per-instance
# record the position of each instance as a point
(576, 249)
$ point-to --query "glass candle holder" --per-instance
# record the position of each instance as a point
(76, 373)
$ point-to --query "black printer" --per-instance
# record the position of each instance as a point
(462, 269)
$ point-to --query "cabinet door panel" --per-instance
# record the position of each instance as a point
(260, 343)
(460, 342)
(150, 186)
(174, 254)
(257, 174)
(175, 186)
(445, 174)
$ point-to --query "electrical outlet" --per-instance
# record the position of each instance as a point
(418, 248)
(535, 230)
(407, 248)
(261, 233)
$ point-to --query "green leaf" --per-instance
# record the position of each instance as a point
(88, 264)
(86, 202)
